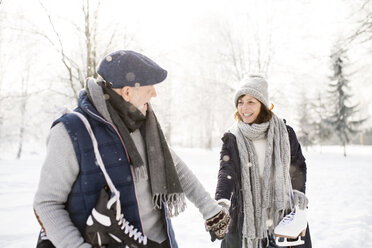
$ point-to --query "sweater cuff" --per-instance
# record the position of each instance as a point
(211, 210)
(225, 204)
(85, 245)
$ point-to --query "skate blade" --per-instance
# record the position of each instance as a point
(301, 234)
(279, 243)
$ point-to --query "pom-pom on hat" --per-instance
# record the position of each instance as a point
(253, 85)
(129, 68)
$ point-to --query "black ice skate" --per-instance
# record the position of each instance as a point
(43, 241)
(106, 227)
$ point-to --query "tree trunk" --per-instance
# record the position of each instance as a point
(361, 139)
(20, 144)
(344, 150)
(22, 128)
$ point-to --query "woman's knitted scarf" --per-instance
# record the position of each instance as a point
(271, 197)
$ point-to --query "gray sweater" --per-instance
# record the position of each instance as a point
(59, 172)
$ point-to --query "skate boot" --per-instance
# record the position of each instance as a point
(43, 241)
(104, 228)
(293, 227)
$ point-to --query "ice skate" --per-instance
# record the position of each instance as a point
(292, 226)
(104, 227)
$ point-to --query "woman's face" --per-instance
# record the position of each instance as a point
(248, 108)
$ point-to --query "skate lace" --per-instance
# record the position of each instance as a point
(288, 218)
(131, 231)
(124, 224)
(128, 229)
(43, 235)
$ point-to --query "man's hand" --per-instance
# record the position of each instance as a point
(218, 225)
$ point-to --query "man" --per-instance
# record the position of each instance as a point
(152, 180)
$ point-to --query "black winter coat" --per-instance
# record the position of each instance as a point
(229, 184)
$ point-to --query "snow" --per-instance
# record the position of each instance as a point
(338, 189)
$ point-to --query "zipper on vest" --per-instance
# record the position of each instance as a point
(126, 152)
(167, 228)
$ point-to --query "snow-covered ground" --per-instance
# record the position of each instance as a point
(339, 190)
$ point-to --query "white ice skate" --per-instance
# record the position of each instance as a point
(292, 226)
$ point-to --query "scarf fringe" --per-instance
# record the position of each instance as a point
(252, 243)
(165, 185)
(141, 172)
(174, 203)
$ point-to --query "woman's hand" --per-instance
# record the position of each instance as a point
(300, 199)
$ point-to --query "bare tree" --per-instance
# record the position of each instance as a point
(78, 68)
(74, 68)
(29, 93)
(246, 49)
(2, 65)
(223, 58)
(363, 30)
(306, 128)
(215, 64)
(23, 104)
(15, 98)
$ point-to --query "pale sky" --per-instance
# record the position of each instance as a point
(302, 32)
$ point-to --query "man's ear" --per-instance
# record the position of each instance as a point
(124, 92)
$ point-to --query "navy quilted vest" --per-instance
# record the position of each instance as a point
(90, 180)
(87, 186)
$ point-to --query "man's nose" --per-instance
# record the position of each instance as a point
(153, 93)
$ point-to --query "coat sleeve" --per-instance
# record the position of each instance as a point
(58, 174)
(194, 190)
(227, 176)
(298, 164)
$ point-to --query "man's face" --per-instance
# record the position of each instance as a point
(139, 96)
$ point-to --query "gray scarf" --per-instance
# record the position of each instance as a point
(271, 197)
(165, 185)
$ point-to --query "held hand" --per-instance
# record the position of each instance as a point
(300, 199)
(218, 225)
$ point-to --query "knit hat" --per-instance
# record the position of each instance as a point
(253, 85)
(129, 68)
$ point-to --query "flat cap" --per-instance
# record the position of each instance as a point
(129, 68)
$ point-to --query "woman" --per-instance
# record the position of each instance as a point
(258, 153)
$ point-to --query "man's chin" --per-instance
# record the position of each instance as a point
(144, 109)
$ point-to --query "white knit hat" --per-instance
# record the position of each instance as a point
(253, 85)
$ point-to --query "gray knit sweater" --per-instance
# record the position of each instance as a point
(60, 170)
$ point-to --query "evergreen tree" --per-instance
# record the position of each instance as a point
(341, 118)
